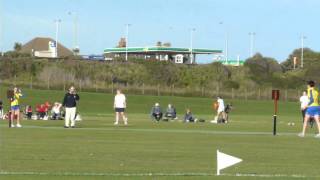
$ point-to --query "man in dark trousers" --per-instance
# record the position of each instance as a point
(70, 104)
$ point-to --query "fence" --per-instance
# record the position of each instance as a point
(160, 90)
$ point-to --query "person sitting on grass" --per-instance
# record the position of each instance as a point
(48, 105)
(170, 112)
(1, 110)
(28, 112)
(156, 112)
(56, 111)
(188, 117)
(41, 111)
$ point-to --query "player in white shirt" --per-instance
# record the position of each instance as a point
(120, 107)
(220, 111)
(304, 101)
(221, 107)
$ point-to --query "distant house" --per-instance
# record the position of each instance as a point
(45, 47)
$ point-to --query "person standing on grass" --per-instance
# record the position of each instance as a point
(304, 100)
(313, 109)
(120, 106)
(220, 110)
(15, 107)
(70, 104)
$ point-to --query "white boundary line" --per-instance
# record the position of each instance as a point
(104, 174)
(152, 130)
(153, 174)
(272, 175)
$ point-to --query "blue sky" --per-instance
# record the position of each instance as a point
(278, 24)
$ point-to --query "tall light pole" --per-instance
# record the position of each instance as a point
(302, 48)
(75, 31)
(1, 37)
(252, 36)
(227, 48)
(191, 44)
(57, 22)
(127, 39)
(226, 42)
(170, 33)
(1, 29)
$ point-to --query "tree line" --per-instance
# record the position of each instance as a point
(257, 72)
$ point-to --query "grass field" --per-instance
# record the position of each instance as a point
(97, 149)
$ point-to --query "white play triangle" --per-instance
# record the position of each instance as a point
(225, 160)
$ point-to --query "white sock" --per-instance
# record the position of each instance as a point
(117, 118)
(125, 119)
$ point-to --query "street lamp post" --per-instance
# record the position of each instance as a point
(302, 48)
(191, 44)
(1, 38)
(1, 29)
(226, 43)
(127, 38)
(227, 48)
(57, 22)
(252, 36)
(75, 31)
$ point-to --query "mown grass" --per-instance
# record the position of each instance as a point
(106, 151)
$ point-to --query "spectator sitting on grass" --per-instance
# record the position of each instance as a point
(156, 112)
(41, 111)
(56, 111)
(1, 110)
(48, 105)
(28, 112)
(170, 112)
(188, 117)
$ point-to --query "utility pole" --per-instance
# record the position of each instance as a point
(226, 50)
(191, 44)
(127, 39)
(252, 36)
(75, 31)
(302, 48)
(1, 29)
(57, 22)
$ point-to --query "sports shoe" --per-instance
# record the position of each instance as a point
(12, 125)
(19, 126)
(125, 123)
(317, 135)
(214, 121)
(115, 123)
(66, 126)
(73, 127)
(301, 135)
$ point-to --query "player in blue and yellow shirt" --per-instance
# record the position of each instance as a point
(313, 109)
(15, 107)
